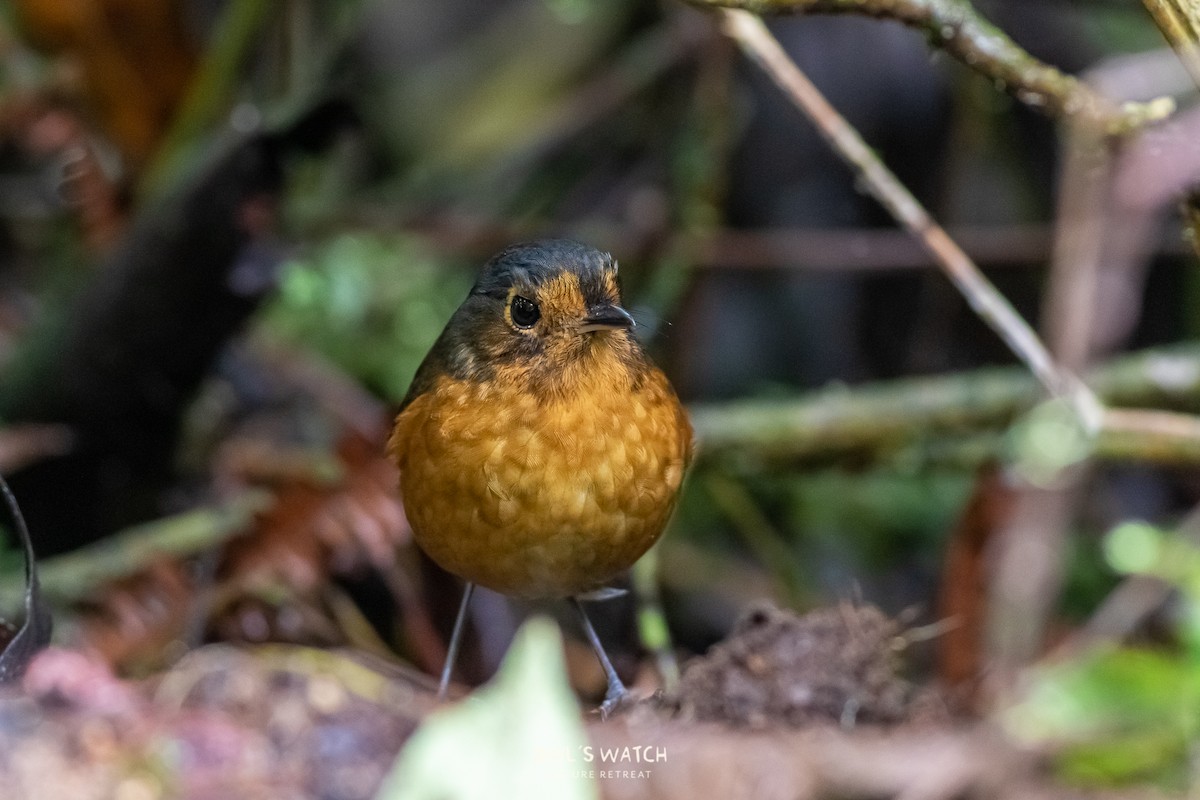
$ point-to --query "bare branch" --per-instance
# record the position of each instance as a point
(1179, 21)
(991, 306)
(955, 27)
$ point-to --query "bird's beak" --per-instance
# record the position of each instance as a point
(608, 317)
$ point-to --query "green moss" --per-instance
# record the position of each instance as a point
(370, 303)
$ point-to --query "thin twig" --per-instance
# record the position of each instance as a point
(1027, 545)
(34, 633)
(1070, 312)
(1029, 557)
(750, 32)
(841, 249)
(1179, 21)
(955, 27)
(653, 631)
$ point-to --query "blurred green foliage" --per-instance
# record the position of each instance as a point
(1089, 575)
(1117, 715)
(822, 532)
(882, 515)
(1121, 27)
(372, 303)
(474, 113)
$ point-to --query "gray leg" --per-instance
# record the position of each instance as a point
(455, 641)
(616, 692)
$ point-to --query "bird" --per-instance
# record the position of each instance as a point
(541, 452)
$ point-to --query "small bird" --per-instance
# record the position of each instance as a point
(540, 450)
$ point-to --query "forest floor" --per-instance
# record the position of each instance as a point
(786, 706)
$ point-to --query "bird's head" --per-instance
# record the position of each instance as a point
(548, 312)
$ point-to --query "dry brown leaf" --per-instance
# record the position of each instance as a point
(269, 582)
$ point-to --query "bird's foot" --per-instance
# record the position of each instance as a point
(616, 699)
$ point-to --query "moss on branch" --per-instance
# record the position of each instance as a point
(955, 27)
(930, 415)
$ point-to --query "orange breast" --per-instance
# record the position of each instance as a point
(540, 499)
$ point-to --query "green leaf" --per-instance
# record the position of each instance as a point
(521, 736)
(1113, 716)
(1123, 759)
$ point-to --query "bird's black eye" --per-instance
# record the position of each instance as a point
(524, 311)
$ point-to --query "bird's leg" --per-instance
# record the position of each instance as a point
(616, 692)
(455, 641)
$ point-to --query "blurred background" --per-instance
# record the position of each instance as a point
(230, 230)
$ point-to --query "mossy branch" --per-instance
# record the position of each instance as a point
(80, 574)
(886, 419)
(955, 27)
